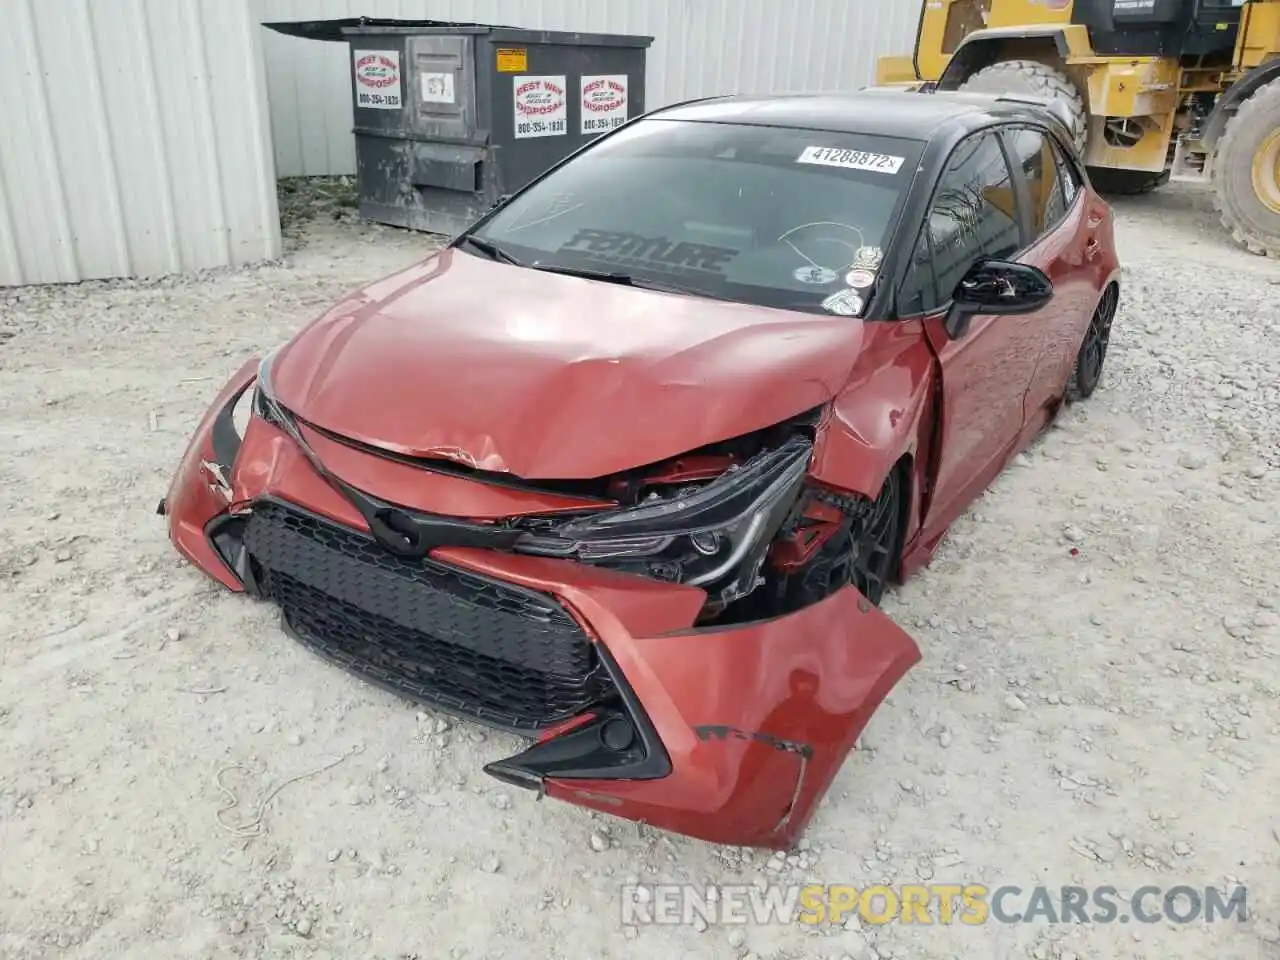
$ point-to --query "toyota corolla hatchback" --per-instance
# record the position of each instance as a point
(626, 468)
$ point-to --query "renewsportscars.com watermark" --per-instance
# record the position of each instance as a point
(971, 904)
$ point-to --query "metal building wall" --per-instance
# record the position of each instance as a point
(701, 47)
(134, 139)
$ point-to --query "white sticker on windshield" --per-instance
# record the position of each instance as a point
(819, 276)
(851, 159)
(860, 279)
(867, 258)
(846, 303)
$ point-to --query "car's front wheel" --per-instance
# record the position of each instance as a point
(1087, 372)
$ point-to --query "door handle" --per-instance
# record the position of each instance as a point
(1094, 221)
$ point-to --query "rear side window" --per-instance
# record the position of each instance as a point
(1035, 155)
(1068, 175)
(973, 216)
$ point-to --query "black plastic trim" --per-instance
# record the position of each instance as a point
(585, 689)
(225, 534)
(534, 596)
(582, 754)
(438, 705)
(223, 436)
(915, 50)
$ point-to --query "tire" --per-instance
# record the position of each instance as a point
(1040, 80)
(1126, 183)
(1252, 138)
(1086, 373)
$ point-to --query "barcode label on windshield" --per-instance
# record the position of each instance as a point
(851, 159)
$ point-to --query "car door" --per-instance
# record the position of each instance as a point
(976, 213)
(1059, 245)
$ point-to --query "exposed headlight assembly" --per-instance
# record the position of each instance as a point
(715, 537)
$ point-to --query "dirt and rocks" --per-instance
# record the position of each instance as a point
(1096, 706)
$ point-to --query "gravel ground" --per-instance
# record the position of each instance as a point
(1095, 706)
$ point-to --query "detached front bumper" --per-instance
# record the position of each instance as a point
(729, 734)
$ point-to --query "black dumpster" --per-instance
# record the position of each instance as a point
(451, 116)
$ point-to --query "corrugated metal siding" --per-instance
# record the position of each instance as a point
(701, 47)
(134, 139)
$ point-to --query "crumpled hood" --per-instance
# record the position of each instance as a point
(551, 377)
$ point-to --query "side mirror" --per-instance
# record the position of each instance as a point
(997, 288)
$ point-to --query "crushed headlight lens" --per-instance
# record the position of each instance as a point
(714, 537)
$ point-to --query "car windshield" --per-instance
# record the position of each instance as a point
(769, 216)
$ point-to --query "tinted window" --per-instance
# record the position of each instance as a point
(1068, 175)
(973, 216)
(760, 215)
(1035, 154)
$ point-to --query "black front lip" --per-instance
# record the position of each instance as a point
(505, 771)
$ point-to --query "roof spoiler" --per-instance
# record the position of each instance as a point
(907, 86)
(1056, 107)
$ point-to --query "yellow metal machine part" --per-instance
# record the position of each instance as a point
(1137, 108)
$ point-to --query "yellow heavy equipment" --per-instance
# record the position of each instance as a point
(1155, 88)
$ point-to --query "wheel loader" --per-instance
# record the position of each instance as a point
(1154, 89)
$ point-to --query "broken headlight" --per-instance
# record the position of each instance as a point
(715, 536)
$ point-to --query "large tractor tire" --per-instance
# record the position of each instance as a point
(1246, 173)
(1039, 80)
(1125, 183)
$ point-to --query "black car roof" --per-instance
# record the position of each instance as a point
(884, 112)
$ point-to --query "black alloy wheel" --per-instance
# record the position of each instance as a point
(1093, 351)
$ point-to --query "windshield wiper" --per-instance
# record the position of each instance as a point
(489, 249)
(622, 279)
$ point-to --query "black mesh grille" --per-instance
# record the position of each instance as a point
(508, 656)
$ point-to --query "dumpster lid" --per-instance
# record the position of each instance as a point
(335, 30)
(339, 30)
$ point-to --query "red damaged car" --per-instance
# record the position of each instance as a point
(626, 467)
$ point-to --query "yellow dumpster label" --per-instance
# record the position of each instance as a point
(513, 59)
